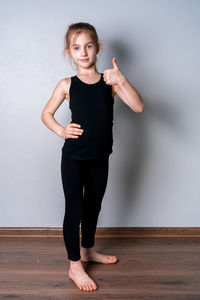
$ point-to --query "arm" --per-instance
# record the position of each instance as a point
(58, 96)
(129, 95)
(123, 88)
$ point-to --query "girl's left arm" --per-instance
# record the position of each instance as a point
(123, 88)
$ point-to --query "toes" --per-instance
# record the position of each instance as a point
(80, 286)
(83, 287)
(90, 287)
(94, 286)
(86, 287)
(113, 259)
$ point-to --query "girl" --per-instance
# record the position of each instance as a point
(88, 144)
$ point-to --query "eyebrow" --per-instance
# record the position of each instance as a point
(85, 43)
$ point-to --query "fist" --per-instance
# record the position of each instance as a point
(113, 76)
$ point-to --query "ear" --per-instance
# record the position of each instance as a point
(68, 52)
(98, 48)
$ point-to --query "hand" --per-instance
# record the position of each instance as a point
(113, 76)
(71, 131)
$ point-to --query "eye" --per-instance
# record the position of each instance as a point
(75, 48)
(89, 45)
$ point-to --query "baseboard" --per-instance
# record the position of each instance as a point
(115, 232)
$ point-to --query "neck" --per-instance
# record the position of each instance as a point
(91, 71)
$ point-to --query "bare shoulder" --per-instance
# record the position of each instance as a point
(65, 83)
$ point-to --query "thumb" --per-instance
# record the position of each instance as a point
(115, 63)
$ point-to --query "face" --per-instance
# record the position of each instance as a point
(82, 50)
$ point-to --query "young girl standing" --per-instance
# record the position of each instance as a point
(88, 144)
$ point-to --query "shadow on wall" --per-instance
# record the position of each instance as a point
(132, 137)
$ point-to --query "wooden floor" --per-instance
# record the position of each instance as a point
(149, 268)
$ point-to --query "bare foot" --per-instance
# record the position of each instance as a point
(89, 254)
(80, 277)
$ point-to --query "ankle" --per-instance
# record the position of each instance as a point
(75, 264)
(87, 250)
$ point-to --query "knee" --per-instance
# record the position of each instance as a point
(72, 218)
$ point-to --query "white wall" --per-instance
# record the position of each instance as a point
(154, 169)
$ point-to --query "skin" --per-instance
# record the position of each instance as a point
(82, 47)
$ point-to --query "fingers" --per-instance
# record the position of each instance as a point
(74, 125)
(115, 66)
(73, 131)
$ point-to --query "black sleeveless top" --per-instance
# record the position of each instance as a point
(91, 106)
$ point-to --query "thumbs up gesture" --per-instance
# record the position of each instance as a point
(113, 76)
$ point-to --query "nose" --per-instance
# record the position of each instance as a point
(83, 52)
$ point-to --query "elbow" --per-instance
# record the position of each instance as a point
(43, 116)
(140, 109)
(141, 105)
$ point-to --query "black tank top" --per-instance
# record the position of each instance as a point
(91, 106)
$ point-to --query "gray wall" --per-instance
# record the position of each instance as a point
(154, 169)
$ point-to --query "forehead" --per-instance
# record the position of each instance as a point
(81, 38)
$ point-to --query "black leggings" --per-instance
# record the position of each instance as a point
(84, 184)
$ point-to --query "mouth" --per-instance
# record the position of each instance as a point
(86, 59)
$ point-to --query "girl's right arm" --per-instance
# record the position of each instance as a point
(60, 93)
